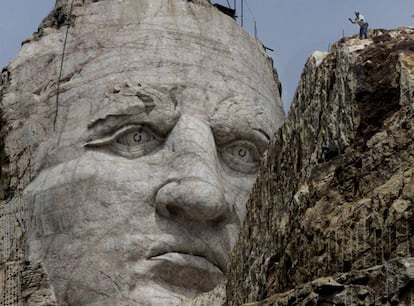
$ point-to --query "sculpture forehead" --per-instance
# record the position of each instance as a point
(166, 42)
(172, 74)
(152, 42)
(161, 62)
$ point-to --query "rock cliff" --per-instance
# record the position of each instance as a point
(330, 219)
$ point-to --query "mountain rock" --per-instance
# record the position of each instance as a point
(337, 228)
(330, 219)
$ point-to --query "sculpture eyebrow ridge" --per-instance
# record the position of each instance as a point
(261, 131)
(109, 117)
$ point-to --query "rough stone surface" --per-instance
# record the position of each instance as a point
(337, 229)
(330, 218)
(215, 297)
(131, 136)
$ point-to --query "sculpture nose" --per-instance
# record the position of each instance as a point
(192, 198)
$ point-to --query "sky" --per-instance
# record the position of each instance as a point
(294, 29)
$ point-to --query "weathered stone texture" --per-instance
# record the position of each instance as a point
(131, 135)
(333, 227)
(215, 297)
(337, 229)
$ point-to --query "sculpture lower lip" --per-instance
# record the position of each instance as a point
(184, 260)
(185, 270)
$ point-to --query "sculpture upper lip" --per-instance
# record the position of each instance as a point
(195, 248)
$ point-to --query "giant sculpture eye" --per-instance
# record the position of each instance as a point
(241, 156)
(130, 141)
(134, 138)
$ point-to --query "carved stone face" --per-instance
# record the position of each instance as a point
(159, 134)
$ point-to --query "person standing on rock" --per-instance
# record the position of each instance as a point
(363, 25)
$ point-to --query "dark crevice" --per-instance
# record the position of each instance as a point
(5, 191)
(60, 16)
(377, 96)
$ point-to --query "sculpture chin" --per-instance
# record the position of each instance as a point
(185, 270)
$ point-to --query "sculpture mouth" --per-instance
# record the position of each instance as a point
(193, 261)
(188, 271)
(204, 259)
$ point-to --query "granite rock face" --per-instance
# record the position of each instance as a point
(131, 136)
(330, 218)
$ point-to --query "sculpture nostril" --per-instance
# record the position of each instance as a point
(174, 210)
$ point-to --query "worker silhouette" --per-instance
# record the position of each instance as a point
(363, 25)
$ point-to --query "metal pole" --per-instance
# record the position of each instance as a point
(235, 10)
(255, 30)
(242, 13)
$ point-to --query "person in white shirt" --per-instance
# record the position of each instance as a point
(363, 25)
